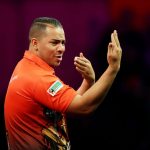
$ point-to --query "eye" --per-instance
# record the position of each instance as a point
(54, 43)
(63, 42)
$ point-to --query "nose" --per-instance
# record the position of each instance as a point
(61, 47)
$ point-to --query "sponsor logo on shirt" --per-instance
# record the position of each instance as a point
(55, 87)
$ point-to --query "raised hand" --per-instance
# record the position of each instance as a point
(114, 53)
(84, 66)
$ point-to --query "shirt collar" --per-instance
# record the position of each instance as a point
(37, 60)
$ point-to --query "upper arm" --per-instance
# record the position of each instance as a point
(78, 106)
(53, 94)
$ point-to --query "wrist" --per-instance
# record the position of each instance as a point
(112, 70)
(90, 82)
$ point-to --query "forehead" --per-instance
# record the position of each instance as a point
(55, 32)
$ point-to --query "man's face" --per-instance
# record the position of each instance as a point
(51, 45)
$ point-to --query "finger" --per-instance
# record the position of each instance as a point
(80, 70)
(82, 60)
(112, 38)
(116, 38)
(81, 54)
(83, 57)
(110, 47)
(80, 63)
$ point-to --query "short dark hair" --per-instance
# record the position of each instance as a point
(39, 25)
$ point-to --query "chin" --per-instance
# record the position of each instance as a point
(56, 65)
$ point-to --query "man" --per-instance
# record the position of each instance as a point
(37, 100)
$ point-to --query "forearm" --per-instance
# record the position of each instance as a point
(94, 96)
(85, 86)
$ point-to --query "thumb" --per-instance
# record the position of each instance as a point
(81, 55)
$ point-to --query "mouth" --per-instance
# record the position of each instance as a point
(59, 57)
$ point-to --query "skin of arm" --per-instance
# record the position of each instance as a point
(94, 96)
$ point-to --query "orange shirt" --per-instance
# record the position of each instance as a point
(33, 88)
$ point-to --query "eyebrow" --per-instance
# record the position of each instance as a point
(56, 40)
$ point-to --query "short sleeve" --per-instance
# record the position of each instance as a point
(53, 93)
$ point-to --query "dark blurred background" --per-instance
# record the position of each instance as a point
(122, 122)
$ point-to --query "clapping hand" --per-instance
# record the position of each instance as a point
(84, 66)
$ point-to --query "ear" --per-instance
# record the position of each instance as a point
(34, 43)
